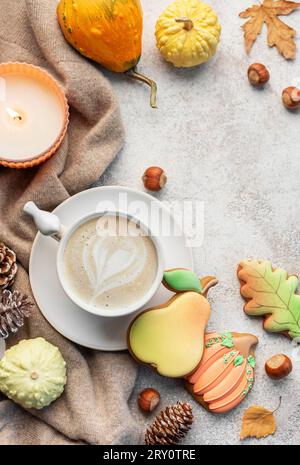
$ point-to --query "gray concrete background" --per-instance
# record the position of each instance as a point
(237, 149)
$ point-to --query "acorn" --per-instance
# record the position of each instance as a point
(154, 178)
(148, 399)
(278, 366)
(258, 74)
(291, 97)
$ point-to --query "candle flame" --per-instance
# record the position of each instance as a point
(14, 114)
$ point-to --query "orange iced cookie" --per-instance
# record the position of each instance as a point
(225, 374)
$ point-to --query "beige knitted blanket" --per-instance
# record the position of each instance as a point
(94, 407)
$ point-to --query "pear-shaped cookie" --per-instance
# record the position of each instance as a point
(170, 337)
(226, 372)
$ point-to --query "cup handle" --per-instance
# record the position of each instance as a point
(47, 223)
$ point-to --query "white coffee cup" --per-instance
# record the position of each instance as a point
(49, 225)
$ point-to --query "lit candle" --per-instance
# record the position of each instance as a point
(33, 115)
(14, 115)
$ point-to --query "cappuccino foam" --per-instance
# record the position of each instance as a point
(110, 263)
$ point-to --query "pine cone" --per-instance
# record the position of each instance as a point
(171, 425)
(14, 308)
(8, 266)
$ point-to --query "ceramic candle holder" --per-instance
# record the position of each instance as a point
(34, 115)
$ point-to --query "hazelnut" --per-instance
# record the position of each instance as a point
(278, 366)
(148, 399)
(258, 74)
(291, 97)
(154, 178)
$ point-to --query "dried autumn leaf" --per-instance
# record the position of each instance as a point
(280, 34)
(258, 422)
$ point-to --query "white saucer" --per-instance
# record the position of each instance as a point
(78, 325)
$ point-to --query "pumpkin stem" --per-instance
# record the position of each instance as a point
(187, 23)
(141, 77)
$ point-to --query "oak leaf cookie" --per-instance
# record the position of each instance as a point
(271, 292)
(170, 337)
(225, 374)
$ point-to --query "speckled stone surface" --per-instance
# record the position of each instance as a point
(237, 149)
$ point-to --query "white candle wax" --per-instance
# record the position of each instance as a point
(31, 117)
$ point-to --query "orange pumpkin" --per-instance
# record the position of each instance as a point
(108, 32)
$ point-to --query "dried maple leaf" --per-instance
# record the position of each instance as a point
(271, 292)
(258, 422)
(279, 34)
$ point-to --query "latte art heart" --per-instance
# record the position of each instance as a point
(113, 262)
(109, 270)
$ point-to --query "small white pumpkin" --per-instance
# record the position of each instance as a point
(188, 33)
(33, 373)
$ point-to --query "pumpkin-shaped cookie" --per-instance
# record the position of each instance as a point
(226, 372)
(170, 337)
